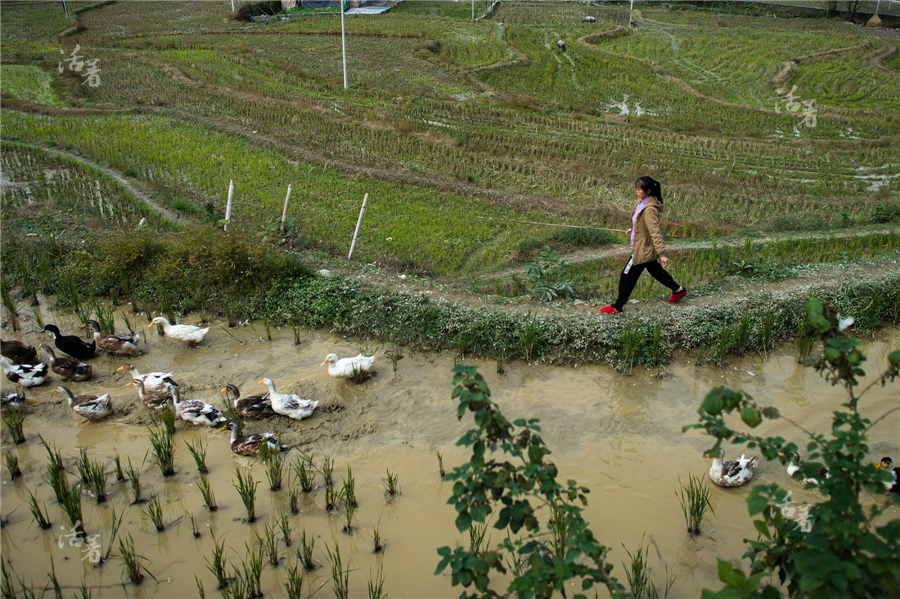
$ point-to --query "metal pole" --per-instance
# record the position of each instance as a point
(877, 5)
(232, 5)
(286, 200)
(228, 205)
(473, 10)
(65, 8)
(358, 223)
(343, 43)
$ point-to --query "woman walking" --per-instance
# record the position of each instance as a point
(648, 251)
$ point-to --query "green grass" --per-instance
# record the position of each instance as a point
(29, 83)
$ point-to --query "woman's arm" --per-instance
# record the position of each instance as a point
(651, 216)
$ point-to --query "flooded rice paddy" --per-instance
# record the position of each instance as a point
(619, 435)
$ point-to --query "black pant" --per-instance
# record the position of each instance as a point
(632, 272)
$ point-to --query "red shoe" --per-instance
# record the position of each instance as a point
(676, 297)
(609, 310)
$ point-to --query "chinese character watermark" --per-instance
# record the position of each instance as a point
(77, 64)
(792, 104)
(89, 544)
(790, 510)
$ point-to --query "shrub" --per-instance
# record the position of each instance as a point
(834, 550)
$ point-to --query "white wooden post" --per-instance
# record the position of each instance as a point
(228, 205)
(343, 43)
(358, 223)
(232, 5)
(284, 212)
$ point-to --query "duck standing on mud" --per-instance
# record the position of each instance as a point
(70, 344)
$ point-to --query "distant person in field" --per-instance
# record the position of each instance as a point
(648, 251)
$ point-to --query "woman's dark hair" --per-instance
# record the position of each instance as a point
(651, 186)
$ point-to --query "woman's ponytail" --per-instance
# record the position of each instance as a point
(651, 186)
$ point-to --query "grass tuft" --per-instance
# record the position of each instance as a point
(14, 420)
(695, 501)
(246, 488)
(40, 517)
(163, 448)
(209, 500)
(155, 514)
(198, 452)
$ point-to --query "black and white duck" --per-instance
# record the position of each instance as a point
(12, 399)
(893, 486)
(794, 467)
(27, 375)
(151, 379)
(68, 368)
(115, 344)
(70, 344)
(89, 407)
(732, 473)
(250, 444)
(18, 352)
(196, 411)
(251, 406)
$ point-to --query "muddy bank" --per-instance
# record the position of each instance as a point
(620, 436)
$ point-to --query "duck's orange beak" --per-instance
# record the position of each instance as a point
(120, 368)
(708, 458)
(324, 363)
(260, 382)
(150, 325)
(57, 391)
(781, 454)
(130, 384)
(224, 389)
(878, 465)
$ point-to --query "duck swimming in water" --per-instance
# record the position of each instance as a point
(733, 473)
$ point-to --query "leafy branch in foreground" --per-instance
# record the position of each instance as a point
(831, 548)
(517, 491)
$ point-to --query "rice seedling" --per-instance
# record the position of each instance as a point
(14, 420)
(359, 375)
(477, 532)
(391, 484)
(83, 591)
(340, 577)
(376, 585)
(195, 530)
(219, 564)
(201, 593)
(331, 499)
(71, 505)
(198, 452)
(97, 480)
(742, 335)
(163, 450)
(530, 338)
(328, 471)
(559, 530)
(440, 459)
(656, 344)
(167, 419)
(284, 524)
(84, 466)
(105, 316)
(10, 306)
(12, 464)
(155, 514)
(40, 517)
(270, 543)
(632, 342)
(274, 461)
(230, 414)
(54, 581)
(724, 342)
(56, 478)
(7, 588)
(53, 454)
(117, 468)
(394, 356)
(209, 499)
(115, 521)
(253, 571)
(293, 500)
(293, 587)
(305, 473)
(134, 480)
(305, 551)
(349, 510)
(37, 316)
(132, 563)
(376, 539)
(246, 488)
(128, 326)
(805, 343)
(267, 326)
(695, 501)
(348, 489)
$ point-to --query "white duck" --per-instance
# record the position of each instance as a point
(182, 332)
(289, 405)
(196, 411)
(345, 367)
(732, 473)
(152, 380)
(27, 375)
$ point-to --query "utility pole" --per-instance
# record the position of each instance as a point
(343, 43)
(473, 10)
(65, 8)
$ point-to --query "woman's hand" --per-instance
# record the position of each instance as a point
(664, 260)
(628, 232)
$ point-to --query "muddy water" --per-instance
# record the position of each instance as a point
(620, 436)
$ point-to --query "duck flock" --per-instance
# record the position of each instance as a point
(157, 390)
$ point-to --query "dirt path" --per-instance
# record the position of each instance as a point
(130, 187)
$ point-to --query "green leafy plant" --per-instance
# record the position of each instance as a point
(832, 546)
(509, 474)
(549, 277)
